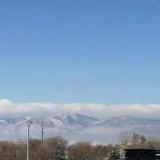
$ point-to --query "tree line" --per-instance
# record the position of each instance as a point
(57, 148)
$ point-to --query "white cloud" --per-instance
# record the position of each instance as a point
(5, 102)
(8, 108)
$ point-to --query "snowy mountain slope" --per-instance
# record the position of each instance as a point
(126, 121)
(76, 127)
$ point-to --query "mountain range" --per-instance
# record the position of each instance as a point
(77, 127)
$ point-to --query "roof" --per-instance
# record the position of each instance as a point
(142, 149)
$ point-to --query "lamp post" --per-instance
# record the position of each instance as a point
(28, 139)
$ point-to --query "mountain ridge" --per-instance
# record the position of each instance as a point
(78, 127)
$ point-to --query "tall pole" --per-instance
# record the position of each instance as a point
(28, 139)
(42, 142)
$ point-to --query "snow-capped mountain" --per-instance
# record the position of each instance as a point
(76, 127)
(130, 124)
(126, 121)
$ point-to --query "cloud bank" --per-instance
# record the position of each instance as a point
(101, 111)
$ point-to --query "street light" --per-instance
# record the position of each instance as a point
(28, 139)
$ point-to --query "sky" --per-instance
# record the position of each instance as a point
(86, 51)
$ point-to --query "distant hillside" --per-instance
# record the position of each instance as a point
(77, 127)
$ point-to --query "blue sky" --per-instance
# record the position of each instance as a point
(87, 51)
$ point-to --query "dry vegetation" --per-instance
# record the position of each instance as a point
(56, 148)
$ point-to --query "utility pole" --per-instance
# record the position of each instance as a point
(28, 139)
(42, 132)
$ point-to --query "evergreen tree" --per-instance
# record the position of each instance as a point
(59, 152)
(115, 154)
